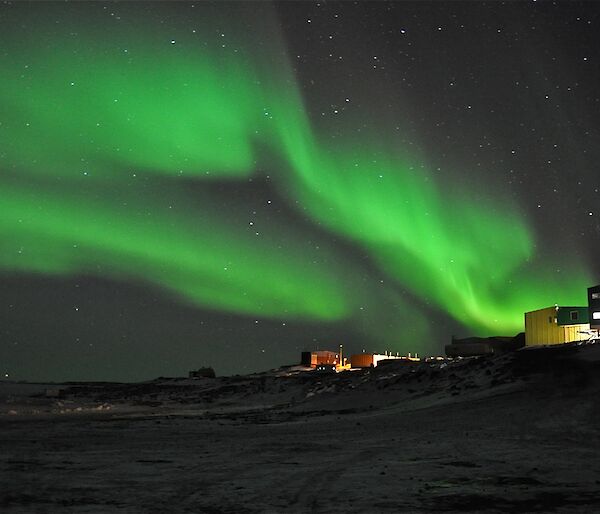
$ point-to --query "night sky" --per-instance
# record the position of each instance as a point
(191, 184)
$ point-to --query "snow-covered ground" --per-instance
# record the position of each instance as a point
(482, 435)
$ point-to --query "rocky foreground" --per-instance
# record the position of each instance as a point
(504, 434)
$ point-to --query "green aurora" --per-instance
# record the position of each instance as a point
(99, 140)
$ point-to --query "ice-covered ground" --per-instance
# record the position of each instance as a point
(476, 435)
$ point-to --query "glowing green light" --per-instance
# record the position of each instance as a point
(98, 131)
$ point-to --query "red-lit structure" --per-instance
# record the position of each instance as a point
(313, 359)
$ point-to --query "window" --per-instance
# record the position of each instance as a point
(596, 315)
(549, 319)
(574, 315)
(596, 296)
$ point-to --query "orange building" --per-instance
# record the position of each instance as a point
(313, 359)
(362, 360)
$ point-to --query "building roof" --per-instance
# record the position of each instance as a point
(559, 307)
(566, 315)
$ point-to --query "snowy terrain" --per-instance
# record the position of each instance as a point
(476, 435)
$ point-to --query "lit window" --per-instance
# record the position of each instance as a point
(596, 315)
(595, 296)
(574, 315)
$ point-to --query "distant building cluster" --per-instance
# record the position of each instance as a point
(330, 361)
(547, 327)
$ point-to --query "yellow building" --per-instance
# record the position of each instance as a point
(556, 325)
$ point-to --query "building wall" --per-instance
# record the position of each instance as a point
(366, 360)
(541, 327)
(306, 359)
(378, 357)
(323, 357)
(573, 315)
(594, 306)
(361, 360)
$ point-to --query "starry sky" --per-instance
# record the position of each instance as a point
(229, 184)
